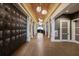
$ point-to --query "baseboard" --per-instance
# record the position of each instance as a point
(65, 41)
(76, 42)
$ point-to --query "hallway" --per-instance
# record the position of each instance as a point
(39, 29)
(47, 48)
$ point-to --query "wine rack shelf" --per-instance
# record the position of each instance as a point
(13, 26)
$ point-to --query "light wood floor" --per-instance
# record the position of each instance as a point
(47, 48)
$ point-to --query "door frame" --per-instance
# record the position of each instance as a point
(73, 29)
(68, 30)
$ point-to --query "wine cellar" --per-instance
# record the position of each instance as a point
(13, 27)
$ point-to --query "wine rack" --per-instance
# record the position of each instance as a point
(13, 25)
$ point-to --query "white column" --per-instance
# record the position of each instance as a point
(28, 29)
(49, 29)
(45, 30)
(35, 29)
(31, 29)
(52, 29)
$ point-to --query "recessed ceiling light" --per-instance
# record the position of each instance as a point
(44, 12)
(38, 9)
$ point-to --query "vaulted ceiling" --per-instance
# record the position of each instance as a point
(31, 9)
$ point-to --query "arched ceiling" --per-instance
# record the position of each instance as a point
(31, 8)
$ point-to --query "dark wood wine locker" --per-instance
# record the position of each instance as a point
(13, 26)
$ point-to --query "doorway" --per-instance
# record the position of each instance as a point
(65, 30)
(75, 29)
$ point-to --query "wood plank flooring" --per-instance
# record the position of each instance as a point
(47, 48)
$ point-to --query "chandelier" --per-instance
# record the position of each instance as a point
(44, 12)
(41, 10)
(38, 9)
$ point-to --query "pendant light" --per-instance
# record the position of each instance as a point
(44, 12)
(38, 9)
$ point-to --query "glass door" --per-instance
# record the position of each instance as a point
(75, 29)
(64, 29)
